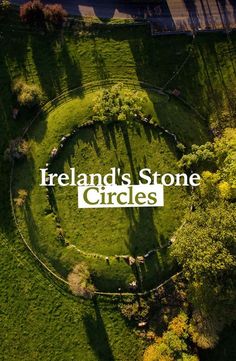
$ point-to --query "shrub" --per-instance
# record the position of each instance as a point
(35, 13)
(200, 156)
(21, 198)
(173, 344)
(118, 104)
(181, 147)
(27, 94)
(136, 310)
(32, 12)
(5, 4)
(17, 149)
(80, 281)
(55, 14)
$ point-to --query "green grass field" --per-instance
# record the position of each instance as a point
(41, 322)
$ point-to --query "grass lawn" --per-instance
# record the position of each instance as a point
(40, 321)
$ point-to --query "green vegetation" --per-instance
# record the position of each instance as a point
(205, 246)
(173, 344)
(27, 94)
(118, 103)
(41, 321)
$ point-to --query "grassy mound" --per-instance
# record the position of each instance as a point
(105, 232)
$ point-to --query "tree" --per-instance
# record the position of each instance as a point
(80, 281)
(18, 148)
(217, 163)
(137, 310)
(200, 156)
(55, 14)
(225, 151)
(32, 12)
(118, 104)
(205, 245)
(205, 248)
(173, 345)
(27, 94)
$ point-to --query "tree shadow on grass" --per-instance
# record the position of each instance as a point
(97, 335)
(13, 61)
(46, 64)
(141, 238)
(193, 14)
(99, 62)
(142, 230)
(15, 50)
(222, 7)
(38, 128)
(233, 4)
(45, 251)
(72, 68)
(157, 58)
(56, 69)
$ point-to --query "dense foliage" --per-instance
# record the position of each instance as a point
(54, 14)
(36, 13)
(118, 103)
(32, 12)
(205, 245)
(173, 345)
(5, 5)
(27, 94)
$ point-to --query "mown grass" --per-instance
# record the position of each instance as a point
(42, 322)
(39, 322)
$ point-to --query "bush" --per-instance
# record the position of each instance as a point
(135, 311)
(21, 198)
(118, 104)
(5, 4)
(32, 12)
(17, 149)
(80, 282)
(173, 345)
(200, 156)
(55, 14)
(35, 13)
(27, 95)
